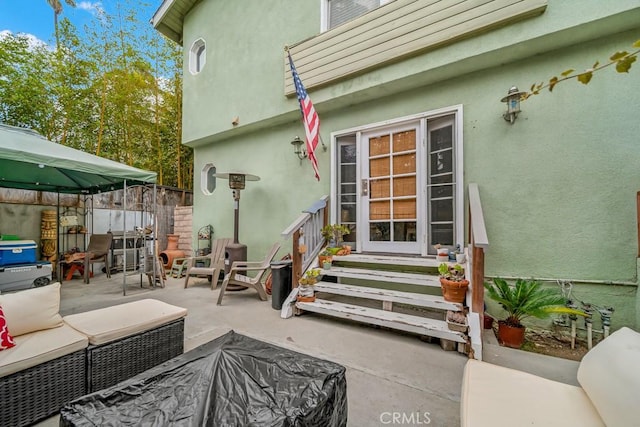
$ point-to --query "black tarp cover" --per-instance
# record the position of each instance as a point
(233, 380)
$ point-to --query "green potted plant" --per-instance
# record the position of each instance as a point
(333, 233)
(452, 282)
(306, 291)
(526, 298)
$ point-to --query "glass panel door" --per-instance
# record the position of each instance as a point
(390, 203)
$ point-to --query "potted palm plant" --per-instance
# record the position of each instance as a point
(526, 298)
(452, 282)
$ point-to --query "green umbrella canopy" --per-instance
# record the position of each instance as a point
(29, 161)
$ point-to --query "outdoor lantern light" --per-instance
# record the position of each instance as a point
(298, 149)
(513, 104)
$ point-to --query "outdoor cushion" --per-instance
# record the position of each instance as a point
(610, 376)
(32, 309)
(494, 396)
(109, 324)
(6, 340)
(39, 347)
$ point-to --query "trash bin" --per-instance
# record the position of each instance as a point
(280, 282)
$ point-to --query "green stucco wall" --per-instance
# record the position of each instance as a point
(558, 187)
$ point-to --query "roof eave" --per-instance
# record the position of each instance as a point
(169, 18)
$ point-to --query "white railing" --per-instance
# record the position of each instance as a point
(305, 232)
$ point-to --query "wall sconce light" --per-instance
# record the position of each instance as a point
(513, 104)
(298, 149)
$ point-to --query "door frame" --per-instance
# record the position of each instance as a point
(423, 117)
(364, 237)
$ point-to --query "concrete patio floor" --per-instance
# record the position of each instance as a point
(387, 373)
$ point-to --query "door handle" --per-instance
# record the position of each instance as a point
(365, 187)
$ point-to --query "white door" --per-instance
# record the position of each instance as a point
(391, 191)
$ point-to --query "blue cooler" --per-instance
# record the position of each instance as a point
(17, 252)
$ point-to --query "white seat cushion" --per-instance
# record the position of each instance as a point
(494, 396)
(610, 376)
(39, 347)
(119, 321)
(32, 309)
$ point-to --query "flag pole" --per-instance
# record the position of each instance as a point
(324, 147)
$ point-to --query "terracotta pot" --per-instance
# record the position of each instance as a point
(510, 336)
(324, 258)
(306, 293)
(454, 291)
(172, 241)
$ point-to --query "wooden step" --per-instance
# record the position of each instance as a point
(420, 279)
(389, 260)
(414, 299)
(387, 319)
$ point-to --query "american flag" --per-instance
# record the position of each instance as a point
(310, 118)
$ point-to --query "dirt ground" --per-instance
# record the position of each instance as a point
(552, 344)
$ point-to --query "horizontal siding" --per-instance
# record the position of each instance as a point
(397, 30)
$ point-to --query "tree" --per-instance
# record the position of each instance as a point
(57, 10)
(116, 93)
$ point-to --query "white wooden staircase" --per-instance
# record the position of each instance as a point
(356, 284)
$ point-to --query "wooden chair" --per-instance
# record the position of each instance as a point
(214, 263)
(97, 251)
(260, 267)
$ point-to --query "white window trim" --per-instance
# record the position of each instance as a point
(324, 13)
(358, 130)
(204, 179)
(193, 56)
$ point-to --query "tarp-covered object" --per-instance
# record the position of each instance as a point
(30, 162)
(233, 380)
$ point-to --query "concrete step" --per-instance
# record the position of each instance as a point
(388, 319)
(410, 298)
(420, 279)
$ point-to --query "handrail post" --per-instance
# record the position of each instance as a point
(479, 243)
(325, 216)
(477, 299)
(296, 260)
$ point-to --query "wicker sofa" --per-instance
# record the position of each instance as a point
(53, 362)
(610, 382)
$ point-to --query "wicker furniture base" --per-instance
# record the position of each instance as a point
(38, 392)
(110, 363)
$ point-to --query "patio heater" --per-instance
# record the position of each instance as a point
(236, 251)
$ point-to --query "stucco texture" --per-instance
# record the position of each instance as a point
(558, 187)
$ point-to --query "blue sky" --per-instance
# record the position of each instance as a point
(36, 16)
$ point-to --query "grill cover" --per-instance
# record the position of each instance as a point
(233, 380)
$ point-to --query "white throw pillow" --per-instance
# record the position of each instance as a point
(610, 376)
(32, 309)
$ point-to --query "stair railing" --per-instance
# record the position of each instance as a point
(305, 232)
(479, 243)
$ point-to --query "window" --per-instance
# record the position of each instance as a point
(441, 182)
(347, 197)
(197, 56)
(208, 179)
(337, 12)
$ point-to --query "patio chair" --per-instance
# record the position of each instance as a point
(214, 263)
(260, 267)
(97, 251)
